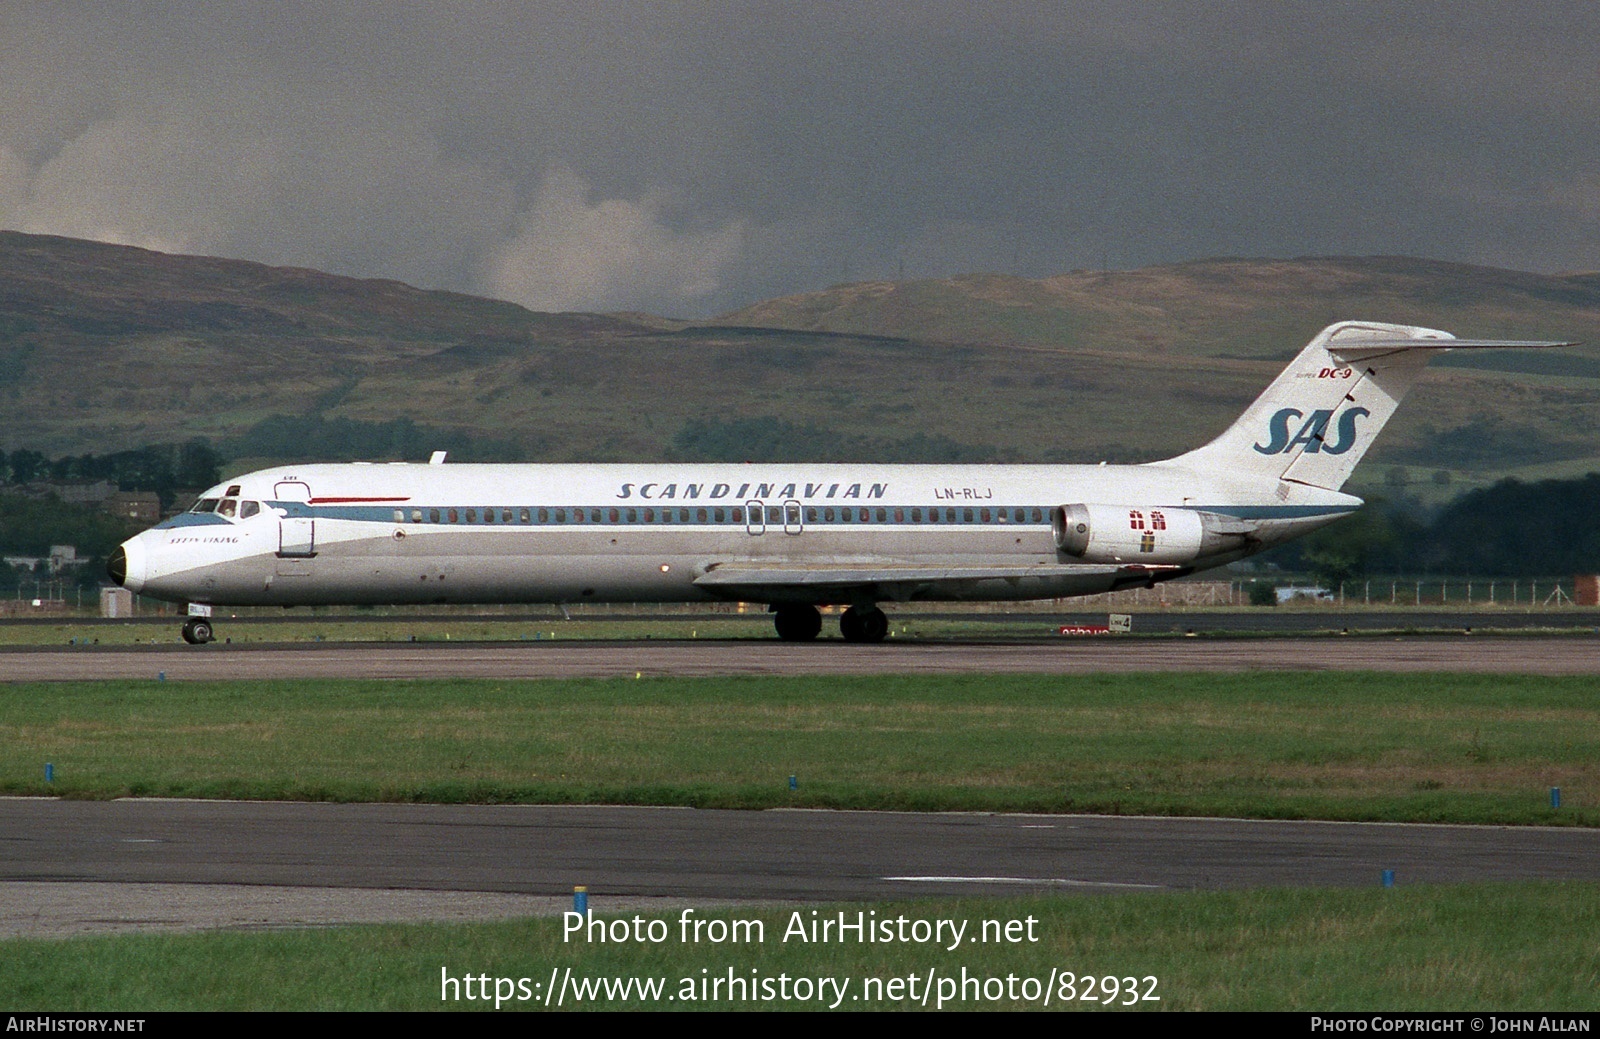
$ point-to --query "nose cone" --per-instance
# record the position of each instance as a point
(126, 565)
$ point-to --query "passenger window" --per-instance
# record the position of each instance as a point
(700, 515)
(985, 515)
(649, 515)
(899, 515)
(864, 516)
(544, 515)
(966, 515)
(525, 516)
(577, 515)
(399, 515)
(472, 515)
(633, 515)
(738, 515)
(717, 515)
(433, 515)
(561, 515)
(455, 517)
(488, 515)
(505, 515)
(883, 515)
(248, 509)
(774, 514)
(916, 515)
(811, 515)
(933, 515)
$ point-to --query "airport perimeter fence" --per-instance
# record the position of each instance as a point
(1392, 592)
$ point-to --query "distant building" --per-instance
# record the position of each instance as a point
(61, 557)
(85, 493)
(139, 506)
(116, 602)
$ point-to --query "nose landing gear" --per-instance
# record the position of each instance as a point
(197, 631)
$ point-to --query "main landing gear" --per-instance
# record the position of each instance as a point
(797, 623)
(863, 624)
(197, 631)
(856, 624)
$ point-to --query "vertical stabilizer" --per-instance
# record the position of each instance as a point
(1319, 417)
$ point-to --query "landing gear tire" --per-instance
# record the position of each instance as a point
(197, 631)
(797, 623)
(863, 624)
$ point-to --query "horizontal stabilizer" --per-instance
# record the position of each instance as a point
(1359, 349)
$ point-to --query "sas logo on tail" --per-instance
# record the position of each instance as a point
(1312, 433)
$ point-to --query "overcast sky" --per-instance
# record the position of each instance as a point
(690, 158)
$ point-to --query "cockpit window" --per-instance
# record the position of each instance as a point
(205, 505)
(228, 507)
(248, 509)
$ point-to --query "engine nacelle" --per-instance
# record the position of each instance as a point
(1140, 534)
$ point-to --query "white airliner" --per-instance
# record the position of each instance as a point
(787, 535)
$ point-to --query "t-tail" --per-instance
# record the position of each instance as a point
(1317, 419)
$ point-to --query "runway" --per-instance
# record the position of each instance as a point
(289, 863)
(1567, 655)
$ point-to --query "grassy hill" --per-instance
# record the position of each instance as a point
(1221, 307)
(106, 347)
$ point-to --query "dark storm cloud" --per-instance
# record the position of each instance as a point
(692, 157)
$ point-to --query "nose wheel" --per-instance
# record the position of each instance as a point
(197, 631)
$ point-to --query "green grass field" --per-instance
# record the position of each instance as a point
(1473, 947)
(1453, 748)
(1340, 746)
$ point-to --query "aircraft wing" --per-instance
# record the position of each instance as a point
(759, 580)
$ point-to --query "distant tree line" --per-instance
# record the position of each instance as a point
(197, 463)
(29, 526)
(1512, 529)
(30, 522)
(163, 468)
(316, 438)
(768, 439)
